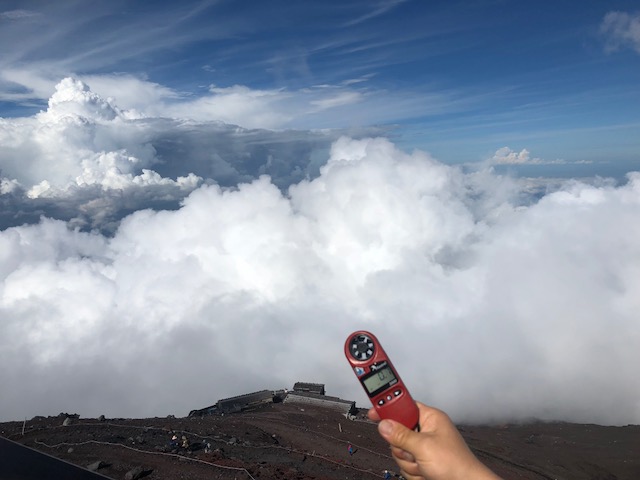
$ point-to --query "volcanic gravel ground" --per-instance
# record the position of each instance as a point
(290, 442)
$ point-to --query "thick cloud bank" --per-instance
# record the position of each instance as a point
(86, 161)
(492, 308)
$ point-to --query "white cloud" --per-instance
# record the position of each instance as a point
(621, 29)
(17, 14)
(506, 155)
(238, 105)
(134, 94)
(25, 84)
(348, 104)
(90, 160)
(340, 99)
(79, 139)
(73, 98)
(492, 309)
(317, 107)
(217, 264)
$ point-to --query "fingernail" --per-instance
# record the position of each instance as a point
(385, 427)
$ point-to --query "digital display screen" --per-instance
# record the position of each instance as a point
(379, 379)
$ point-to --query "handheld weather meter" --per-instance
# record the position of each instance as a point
(380, 381)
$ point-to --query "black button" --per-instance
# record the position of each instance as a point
(397, 393)
(381, 402)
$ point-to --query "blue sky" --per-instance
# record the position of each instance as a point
(459, 79)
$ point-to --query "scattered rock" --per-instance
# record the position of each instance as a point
(101, 418)
(95, 466)
(136, 473)
(70, 415)
(67, 422)
(70, 450)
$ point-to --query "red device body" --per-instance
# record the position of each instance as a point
(380, 381)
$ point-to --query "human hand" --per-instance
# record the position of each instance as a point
(437, 452)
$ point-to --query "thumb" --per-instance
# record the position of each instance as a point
(398, 435)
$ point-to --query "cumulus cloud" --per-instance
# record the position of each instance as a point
(88, 160)
(81, 159)
(493, 308)
(507, 156)
(348, 104)
(621, 29)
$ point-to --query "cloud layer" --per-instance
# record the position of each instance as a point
(88, 161)
(494, 305)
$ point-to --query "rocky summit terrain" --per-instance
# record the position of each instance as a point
(290, 442)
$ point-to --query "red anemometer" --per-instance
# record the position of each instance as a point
(378, 377)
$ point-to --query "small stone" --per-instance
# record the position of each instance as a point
(136, 473)
(96, 466)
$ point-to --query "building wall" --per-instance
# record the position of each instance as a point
(309, 387)
(342, 406)
(235, 404)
